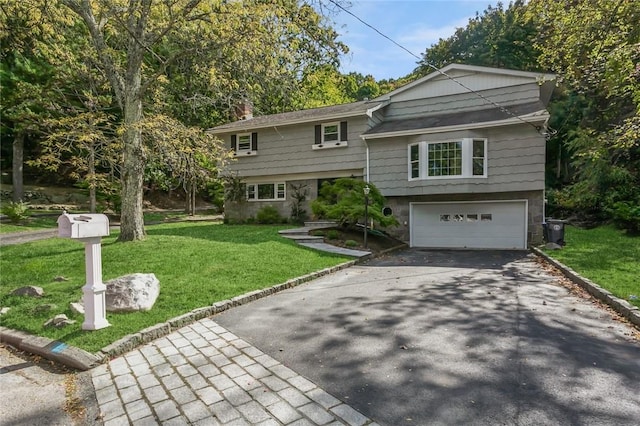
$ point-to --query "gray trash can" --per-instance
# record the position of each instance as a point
(554, 231)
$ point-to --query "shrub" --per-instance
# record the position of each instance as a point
(344, 202)
(332, 234)
(351, 243)
(16, 211)
(268, 215)
(626, 215)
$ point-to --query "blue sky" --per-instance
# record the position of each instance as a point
(415, 24)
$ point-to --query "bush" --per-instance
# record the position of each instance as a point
(626, 215)
(351, 243)
(16, 211)
(344, 202)
(268, 215)
(332, 234)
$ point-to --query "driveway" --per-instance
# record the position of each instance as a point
(451, 338)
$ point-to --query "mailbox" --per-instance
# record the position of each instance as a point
(83, 225)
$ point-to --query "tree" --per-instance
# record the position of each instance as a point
(594, 46)
(242, 47)
(26, 75)
(344, 201)
(497, 38)
(191, 156)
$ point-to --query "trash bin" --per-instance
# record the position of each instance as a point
(554, 231)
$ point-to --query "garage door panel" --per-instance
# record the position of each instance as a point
(469, 225)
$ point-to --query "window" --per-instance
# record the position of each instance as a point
(444, 159)
(414, 161)
(330, 132)
(266, 191)
(245, 143)
(331, 135)
(479, 158)
(465, 158)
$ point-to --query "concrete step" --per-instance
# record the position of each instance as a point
(304, 238)
(319, 224)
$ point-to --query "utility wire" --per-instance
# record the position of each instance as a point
(438, 70)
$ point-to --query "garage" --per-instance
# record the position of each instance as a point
(478, 225)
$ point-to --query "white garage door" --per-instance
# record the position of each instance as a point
(490, 224)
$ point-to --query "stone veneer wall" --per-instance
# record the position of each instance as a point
(400, 207)
(241, 211)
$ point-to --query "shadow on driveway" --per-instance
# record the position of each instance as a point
(455, 337)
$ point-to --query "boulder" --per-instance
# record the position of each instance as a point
(134, 292)
(76, 308)
(553, 246)
(30, 290)
(59, 321)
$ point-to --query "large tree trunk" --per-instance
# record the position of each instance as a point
(18, 162)
(131, 216)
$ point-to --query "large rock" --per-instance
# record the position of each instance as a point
(30, 291)
(135, 292)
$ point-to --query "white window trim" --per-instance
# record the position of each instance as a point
(244, 152)
(275, 191)
(467, 160)
(324, 126)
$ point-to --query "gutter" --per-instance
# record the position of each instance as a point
(530, 118)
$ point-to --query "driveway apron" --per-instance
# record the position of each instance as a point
(454, 337)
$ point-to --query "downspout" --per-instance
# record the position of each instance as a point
(366, 159)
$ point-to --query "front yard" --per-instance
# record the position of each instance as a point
(197, 264)
(606, 256)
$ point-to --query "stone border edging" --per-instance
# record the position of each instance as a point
(82, 360)
(624, 308)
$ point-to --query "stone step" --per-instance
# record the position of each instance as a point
(304, 238)
(320, 224)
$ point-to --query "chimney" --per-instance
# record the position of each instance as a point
(244, 110)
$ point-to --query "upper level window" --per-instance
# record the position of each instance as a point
(266, 191)
(451, 159)
(331, 135)
(245, 143)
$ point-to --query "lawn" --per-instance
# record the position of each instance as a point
(197, 264)
(605, 255)
(33, 223)
(39, 222)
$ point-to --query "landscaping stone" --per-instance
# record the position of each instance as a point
(553, 246)
(59, 321)
(30, 290)
(40, 309)
(76, 307)
(4, 310)
(134, 292)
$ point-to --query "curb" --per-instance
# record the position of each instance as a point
(80, 359)
(624, 308)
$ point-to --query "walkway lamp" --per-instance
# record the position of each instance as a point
(366, 212)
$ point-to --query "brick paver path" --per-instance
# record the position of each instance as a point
(204, 375)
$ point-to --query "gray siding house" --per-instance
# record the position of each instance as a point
(459, 155)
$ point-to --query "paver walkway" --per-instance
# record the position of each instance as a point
(204, 375)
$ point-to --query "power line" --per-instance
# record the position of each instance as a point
(438, 70)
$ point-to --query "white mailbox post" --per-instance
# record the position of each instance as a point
(89, 229)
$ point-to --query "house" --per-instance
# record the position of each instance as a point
(459, 155)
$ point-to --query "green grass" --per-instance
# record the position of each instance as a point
(605, 255)
(34, 223)
(197, 264)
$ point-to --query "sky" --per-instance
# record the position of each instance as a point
(414, 24)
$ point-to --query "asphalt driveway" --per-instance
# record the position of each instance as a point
(451, 338)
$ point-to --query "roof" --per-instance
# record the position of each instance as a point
(443, 72)
(334, 112)
(530, 112)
